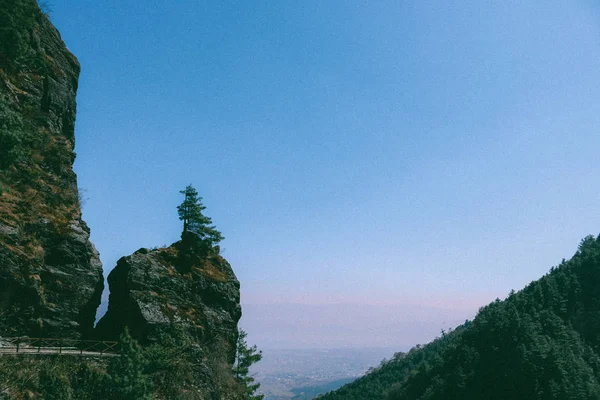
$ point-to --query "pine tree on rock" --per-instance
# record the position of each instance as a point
(194, 222)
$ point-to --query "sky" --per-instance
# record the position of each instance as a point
(390, 153)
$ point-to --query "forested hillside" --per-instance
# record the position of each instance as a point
(542, 342)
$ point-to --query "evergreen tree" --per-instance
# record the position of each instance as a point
(190, 212)
(244, 358)
(127, 379)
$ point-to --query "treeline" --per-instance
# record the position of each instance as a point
(540, 343)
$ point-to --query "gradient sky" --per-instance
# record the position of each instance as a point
(369, 152)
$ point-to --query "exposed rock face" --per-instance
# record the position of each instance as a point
(153, 290)
(50, 274)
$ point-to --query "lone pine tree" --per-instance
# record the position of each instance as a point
(194, 222)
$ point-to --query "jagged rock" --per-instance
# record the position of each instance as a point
(151, 291)
(50, 274)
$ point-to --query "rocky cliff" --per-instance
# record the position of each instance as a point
(181, 302)
(151, 291)
(50, 274)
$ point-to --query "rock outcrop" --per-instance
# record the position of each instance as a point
(50, 274)
(153, 291)
(182, 301)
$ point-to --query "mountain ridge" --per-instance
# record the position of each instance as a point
(539, 343)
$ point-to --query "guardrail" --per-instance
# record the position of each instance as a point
(27, 345)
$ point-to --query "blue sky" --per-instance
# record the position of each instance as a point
(389, 152)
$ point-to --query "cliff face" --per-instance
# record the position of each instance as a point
(153, 290)
(50, 274)
(181, 301)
